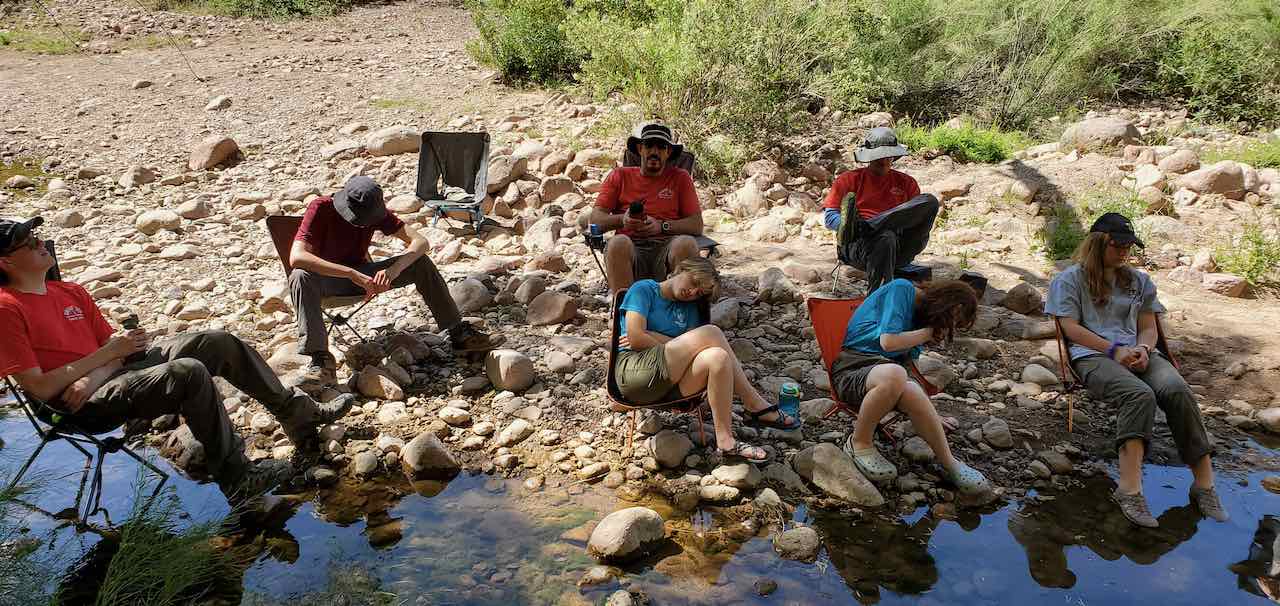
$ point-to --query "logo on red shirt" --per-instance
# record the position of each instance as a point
(666, 193)
(73, 313)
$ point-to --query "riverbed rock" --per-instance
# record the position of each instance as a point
(1035, 373)
(740, 475)
(800, 543)
(213, 151)
(153, 221)
(670, 448)
(551, 307)
(425, 457)
(725, 313)
(1227, 285)
(996, 433)
(626, 534)
(454, 416)
(1098, 133)
(719, 493)
(1181, 161)
(392, 140)
(515, 433)
(1024, 299)
(375, 382)
(1269, 419)
(833, 471)
(776, 287)
(915, 449)
(364, 464)
(509, 370)
(471, 295)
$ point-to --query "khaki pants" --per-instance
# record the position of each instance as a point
(1138, 394)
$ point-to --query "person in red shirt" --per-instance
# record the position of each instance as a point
(881, 219)
(653, 207)
(330, 258)
(62, 352)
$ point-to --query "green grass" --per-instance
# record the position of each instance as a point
(1259, 154)
(273, 9)
(401, 103)
(345, 587)
(1067, 224)
(27, 167)
(966, 143)
(1254, 255)
(42, 41)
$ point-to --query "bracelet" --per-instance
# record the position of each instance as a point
(1111, 351)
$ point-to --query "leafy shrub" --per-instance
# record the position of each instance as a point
(523, 39)
(1068, 225)
(1254, 255)
(1258, 154)
(258, 8)
(966, 143)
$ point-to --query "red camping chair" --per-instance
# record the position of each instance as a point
(1070, 380)
(830, 318)
(619, 402)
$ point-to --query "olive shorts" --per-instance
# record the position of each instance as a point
(650, 261)
(643, 377)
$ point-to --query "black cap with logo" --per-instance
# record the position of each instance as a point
(15, 233)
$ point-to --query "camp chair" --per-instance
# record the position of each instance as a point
(619, 403)
(282, 229)
(454, 160)
(830, 318)
(52, 425)
(1071, 380)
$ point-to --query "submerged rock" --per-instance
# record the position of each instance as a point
(626, 534)
(425, 457)
(798, 544)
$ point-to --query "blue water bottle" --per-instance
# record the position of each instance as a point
(789, 399)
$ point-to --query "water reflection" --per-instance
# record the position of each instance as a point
(1260, 573)
(877, 553)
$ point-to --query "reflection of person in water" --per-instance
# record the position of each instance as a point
(1046, 529)
(878, 552)
(1260, 574)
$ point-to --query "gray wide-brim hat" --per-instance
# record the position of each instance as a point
(653, 130)
(360, 202)
(881, 142)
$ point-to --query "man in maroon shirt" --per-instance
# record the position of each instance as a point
(661, 235)
(330, 258)
(61, 351)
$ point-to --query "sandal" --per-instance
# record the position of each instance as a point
(753, 418)
(871, 463)
(742, 450)
(969, 480)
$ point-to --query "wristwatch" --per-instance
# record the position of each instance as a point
(666, 227)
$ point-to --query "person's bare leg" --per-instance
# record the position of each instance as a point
(681, 248)
(924, 417)
(1131, 453)
(687, 345)
(619, 254)
(1203, 472)
(885, 384)
(711, 369)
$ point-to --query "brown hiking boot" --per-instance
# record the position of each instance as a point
(467, 339)
(321, 371)
(1134, 507)
(1206, 500)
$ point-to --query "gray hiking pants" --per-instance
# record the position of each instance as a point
(1138, 394)
(176, 377)
(308, 288)
(894, 239)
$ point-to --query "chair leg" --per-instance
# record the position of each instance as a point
(631, 433)
(164, 477)
(702, 437)
(1070, 411)
(84, 475)
(25, 466)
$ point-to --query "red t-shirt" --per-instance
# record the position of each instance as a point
(873, 193)
(334, 239)
(48, 331)
(667, 197)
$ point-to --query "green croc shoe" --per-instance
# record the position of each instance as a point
(871, 463)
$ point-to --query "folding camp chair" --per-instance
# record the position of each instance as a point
(282, 229)
(457, 160)
(1071, 380)
(619, 403)
(830, 318)
(52, 425)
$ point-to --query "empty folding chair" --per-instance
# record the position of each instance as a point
(457, 160)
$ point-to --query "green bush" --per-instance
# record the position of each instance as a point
(1254, 255)
(258, 8)
(1258, 154)
(523, 39)
(1067, 225)
(966, 143)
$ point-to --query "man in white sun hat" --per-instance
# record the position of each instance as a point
(881, 219)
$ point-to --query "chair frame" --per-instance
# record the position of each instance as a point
(688, 404)
(277, 226)
(1071, 380)
(830, 349)
(427, 153)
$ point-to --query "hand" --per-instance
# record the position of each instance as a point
(633, 225)
(624, 341)
(385, 277)
(1140, 360)
(127, 344)
(76, 394)
(1125, 355)
(650, 227)
(370, 287)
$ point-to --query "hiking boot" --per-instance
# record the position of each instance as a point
(321, 370)
(914, 273)
(847, 231)
(1134, 507)
(257, 479)
(1206, 500)
(304, 415)
(465, 338)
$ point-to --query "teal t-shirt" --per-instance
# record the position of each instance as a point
(664, 316)
(889, 310)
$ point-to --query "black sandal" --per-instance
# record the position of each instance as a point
(753, 418)
(740, 450)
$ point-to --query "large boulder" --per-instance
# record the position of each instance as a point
(542, 235)
(1225, 178)
(1099, 133)
(833, 471)
(509, 369)
(392, 140)
(1227, 285)
(212, 151)
(776, 287)
(626, 534)
(1181, 161)
(670, 448)
(1269, 419)
(551, 307)
(801, 543)
(1024, 299)
(503, 170)
(153, 221)
(425, 457)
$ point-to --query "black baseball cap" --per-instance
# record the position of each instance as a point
(13, 233)
(1118, 227)
(360, 202)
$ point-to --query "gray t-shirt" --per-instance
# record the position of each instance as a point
(1116, 322)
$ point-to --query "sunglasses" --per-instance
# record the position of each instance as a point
(31, 242)
(1119, 246)
(656, 144)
